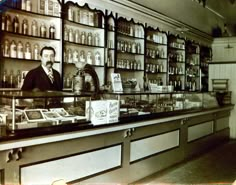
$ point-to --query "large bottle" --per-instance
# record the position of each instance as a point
(15, 24)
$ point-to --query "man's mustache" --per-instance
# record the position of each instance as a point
(49, 63)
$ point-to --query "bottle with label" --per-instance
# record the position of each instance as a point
(70, 14)
(89, 58)
(25, 27)
(13, 49)
(20, 50)
(43, 30)
(34, 28)
(18, 79)
(15, 24)
(70, 56)
(66, 36)
(4, 79)
(76, 33)
(36, 52)
(97, 58)
(23, 4)
(75, 56)
(27, 51)
(52, 31)
(11, 80)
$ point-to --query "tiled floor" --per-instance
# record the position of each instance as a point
(217, 166)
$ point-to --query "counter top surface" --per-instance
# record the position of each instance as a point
(35, 136)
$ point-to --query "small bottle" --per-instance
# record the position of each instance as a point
(83, 38)
(34, 28)
(8, 23)
(3, 22)
(5, 79)
(28, 51)
(6, 49)
(28, 5)
(76, 33)
(52, 31)
(23, 4)
(89, 38)
(18, 79)
(25, 27)
(20, 50)
(75, 56)
(97, 58)
(70, 14)
(66, 36)
(15, 24)
(71, 35)
(43, 30)
(11, 79)
(96, 40)
(13, 49)
(36, 52)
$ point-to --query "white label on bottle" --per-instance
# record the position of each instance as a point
(27, 55)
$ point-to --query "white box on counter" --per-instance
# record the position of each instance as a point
(102, 111)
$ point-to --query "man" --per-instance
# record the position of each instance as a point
(44, 77)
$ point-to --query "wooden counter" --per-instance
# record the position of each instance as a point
(112, 153)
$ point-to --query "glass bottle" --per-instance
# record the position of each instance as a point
(71, 35)
(25, 27)
(36, 52)
(15, 24)
(34, 28)
(52, 31)
(83, 38)
(43, 30)
(4, 79)
(13, 49)
(27, 51)
(70, 14)
(3, 22)
(23, 4)
(6, 49)
(11, 79)
(8, 23)
(89, 38)
(20, 50)
(66, 37)
(76, 36)
(97, 58)
(75, 56)
(28, 5)
(96, 40)
(18, 79)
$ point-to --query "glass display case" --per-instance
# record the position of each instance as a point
(141, 103)
(23, 110)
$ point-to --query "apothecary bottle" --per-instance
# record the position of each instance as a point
(8, 23)
(20, 50)
(43, 30)
(28, 6)
(52, 31)
(89, 38)
(3, 22)
(6, 49)
(13, 49)
(96, 40)
(71, 35)
(66, 35)
(27, 51)
(36, 52)
(83, 38)
(77, 36)
(15, 24)
(34, 28)
(25, 27)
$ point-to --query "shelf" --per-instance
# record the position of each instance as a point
(30, 36)
(156, 73)
(86, 45)
(156, 58)
(129, 53)
(22, 59)
(131, 70)
(68, 22)
(129, 36)
(156, 43)
(175, 48)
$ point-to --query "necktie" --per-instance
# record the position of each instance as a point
(50, 75)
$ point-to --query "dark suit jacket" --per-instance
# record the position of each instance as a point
(38, 79)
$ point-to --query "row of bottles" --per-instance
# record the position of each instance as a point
(25, 28)
(177, 45)
(9, 79)
(193, 72)
(129, 64)
(90, 38)
(13, 49)
(76, 56)
(193, 60)
(131, 30)
(155, 53)
(130, 47)
(177, 84)
(160, 39)
(84, 16)
(191, 85)
(176, 70)
(154, 68)
(176, 57)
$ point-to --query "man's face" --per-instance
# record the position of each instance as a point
(48, 58)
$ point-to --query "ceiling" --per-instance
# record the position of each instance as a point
(216, 13)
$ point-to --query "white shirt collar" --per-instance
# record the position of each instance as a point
(46, 70)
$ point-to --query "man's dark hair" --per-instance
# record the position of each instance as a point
(47, 48)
